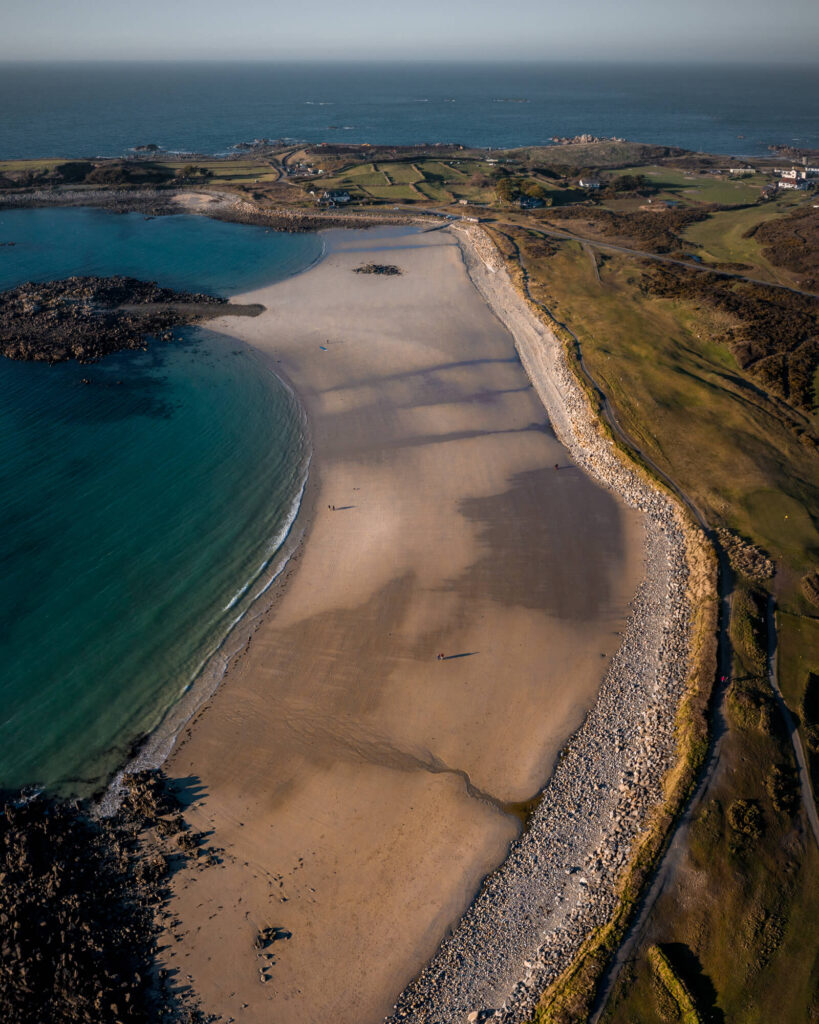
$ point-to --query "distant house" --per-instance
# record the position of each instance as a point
(531, 203)
(741, 172)
(334, 196)
(795, 174)
(592, 183)
(801, 184)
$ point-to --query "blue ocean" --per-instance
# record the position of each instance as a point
(143, 499)
(86, 110)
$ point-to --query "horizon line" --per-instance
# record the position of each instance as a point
(795, 63)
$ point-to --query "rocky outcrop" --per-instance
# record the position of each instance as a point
(78, 898)
(86, 318)
(387, 269)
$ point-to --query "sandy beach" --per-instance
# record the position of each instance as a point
(360, 787)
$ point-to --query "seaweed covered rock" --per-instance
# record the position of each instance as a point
(77, 903)
(385, 269)
(86, 318)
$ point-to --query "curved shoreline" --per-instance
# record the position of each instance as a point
(560, 880)
(403, 413)
(156, 747)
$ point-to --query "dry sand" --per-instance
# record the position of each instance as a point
(359, 787)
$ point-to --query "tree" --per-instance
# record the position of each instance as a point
(507, 190)
(192, 171)
(533, 189)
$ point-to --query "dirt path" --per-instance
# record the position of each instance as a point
(808, 801)
(657, 257)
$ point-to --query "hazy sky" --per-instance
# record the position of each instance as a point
(731, 30)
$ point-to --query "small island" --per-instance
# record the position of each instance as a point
(385, 269)
(86, 318)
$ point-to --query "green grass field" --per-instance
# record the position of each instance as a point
(30, 165)
(394, 193)
(688, 186)
(363, 175)
(436, 170)
(235, 171)
(720, 238)
(434, 192)
(401, 174)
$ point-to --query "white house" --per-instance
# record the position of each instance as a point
(335, 196)
(590, 183)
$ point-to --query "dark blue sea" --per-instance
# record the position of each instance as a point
(86, 110)
(143, 499)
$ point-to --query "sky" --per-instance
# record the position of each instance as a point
(644, 30)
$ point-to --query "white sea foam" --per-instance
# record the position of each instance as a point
(211, 670)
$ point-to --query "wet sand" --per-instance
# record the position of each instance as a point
(359, 787)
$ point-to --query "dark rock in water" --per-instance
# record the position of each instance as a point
(388, 269)
(78, 898)
(86, 318)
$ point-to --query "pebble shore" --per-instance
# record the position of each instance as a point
(559, 881)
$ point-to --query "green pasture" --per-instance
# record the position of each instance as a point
(401, 173)
(394, 193)
(689, 186)
(798, 655)
(236, 171)
(721, 238)
(30, 165)
(435, 192)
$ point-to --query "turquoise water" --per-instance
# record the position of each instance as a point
(140, 511)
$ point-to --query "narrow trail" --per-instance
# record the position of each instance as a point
(805, 788)
(569, 236)
(677, 843)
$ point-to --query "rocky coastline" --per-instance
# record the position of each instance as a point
(561, 879)
(79, 902)
(220, 205)
(86, 318)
